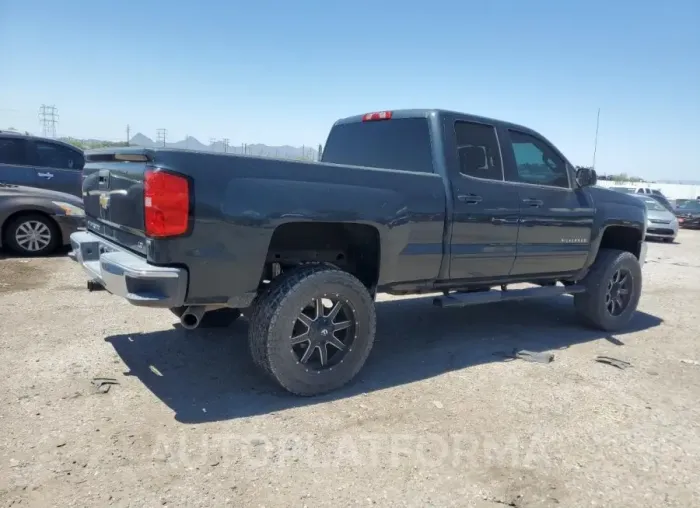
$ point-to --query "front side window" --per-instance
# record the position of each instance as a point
(478, 151)
(50, 155)
(536, 162)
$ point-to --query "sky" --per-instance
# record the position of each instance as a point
(280, 72)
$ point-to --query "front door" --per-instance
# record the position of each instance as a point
(556, 216)
(485, 207)
(58, 167)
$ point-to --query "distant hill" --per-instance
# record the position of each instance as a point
(190, 143)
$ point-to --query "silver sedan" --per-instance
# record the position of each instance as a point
(661, 224)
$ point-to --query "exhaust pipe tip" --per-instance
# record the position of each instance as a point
(192, 317)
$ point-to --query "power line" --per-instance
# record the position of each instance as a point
(48, 116)
(162, 136)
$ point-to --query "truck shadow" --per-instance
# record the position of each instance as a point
(207, 375)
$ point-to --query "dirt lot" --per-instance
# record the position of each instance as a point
(435, 418)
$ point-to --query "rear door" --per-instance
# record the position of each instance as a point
(57, 166)
(556, 216)
(485, 208)
(15, 167)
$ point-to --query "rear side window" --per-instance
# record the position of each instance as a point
(50, 155)
(12, 151)
(399, 143)
(477, 148)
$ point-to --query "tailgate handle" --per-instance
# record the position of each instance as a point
(103, 177)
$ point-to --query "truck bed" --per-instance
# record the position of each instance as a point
(242, 200)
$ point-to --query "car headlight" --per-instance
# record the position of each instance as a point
(68, 209)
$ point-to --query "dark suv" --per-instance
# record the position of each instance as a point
(38, 162)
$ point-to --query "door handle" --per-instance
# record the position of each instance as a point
(45, 175)
(533, 202)
(470, 199)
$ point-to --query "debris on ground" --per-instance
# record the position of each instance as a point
(528, 356)
(615, 362)
(103, 384)
(690, 362)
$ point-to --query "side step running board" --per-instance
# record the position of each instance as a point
(477, 298)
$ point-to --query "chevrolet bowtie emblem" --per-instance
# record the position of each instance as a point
(104, 200)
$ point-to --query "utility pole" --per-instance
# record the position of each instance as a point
(225, 142)
(212, 144)
(162, 136)
(320, 151)
(128, 134)
(595, 143)
(48, 116)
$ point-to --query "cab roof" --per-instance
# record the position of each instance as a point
(440, 113)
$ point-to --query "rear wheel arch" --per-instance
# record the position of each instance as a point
(352, 247)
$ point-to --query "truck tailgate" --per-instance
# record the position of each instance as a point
(113, 193)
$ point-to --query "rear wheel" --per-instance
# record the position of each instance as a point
(32, 234)
(313, 330)
(613, 288)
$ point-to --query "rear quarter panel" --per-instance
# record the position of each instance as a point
(240, 201)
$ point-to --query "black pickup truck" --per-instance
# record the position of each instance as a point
(410, 201)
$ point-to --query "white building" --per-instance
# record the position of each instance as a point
(670, 190)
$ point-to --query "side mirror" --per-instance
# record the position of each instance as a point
(586, 177)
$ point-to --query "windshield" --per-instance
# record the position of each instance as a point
(652, 204)
(689, 206)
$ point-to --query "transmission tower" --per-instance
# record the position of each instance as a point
(48, 116)
(162, 136)
(225, 141)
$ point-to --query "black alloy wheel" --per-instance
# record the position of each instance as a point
(323, 332)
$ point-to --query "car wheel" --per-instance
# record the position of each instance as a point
(313, 331)
(613, 288)
(219, 318)
(32, 234)
(668, 240)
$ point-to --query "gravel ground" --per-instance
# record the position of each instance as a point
(435, 418)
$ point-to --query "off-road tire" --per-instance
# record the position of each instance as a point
(591, 305)
(10, 230)
(219, 318)
(275, 312)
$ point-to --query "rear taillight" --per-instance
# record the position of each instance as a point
(166, 202)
